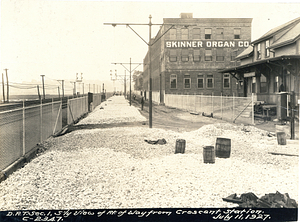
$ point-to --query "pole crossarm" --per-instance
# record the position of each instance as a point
(149, 50)
(138, 64)
(126, 24)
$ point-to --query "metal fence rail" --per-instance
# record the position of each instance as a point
(76, 108)
(233, 109)
(21, 129)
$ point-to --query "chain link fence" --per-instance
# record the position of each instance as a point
(23, 128)
(232, 109)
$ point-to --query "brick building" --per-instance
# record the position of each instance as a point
(187, 54)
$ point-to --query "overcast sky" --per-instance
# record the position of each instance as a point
(61, 38)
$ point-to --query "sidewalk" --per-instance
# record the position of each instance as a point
(115, 168)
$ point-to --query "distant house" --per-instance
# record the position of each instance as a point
(270, 67)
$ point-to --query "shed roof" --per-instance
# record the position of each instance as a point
(291, 36)
(246, 53)
(273, 31)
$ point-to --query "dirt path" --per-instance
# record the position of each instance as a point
(174, 119)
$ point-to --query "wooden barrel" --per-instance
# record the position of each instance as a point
(180, 146)
(208, 154)
(281, 138)
(223, 147)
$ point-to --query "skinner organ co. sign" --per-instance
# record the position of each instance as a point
(206, 44)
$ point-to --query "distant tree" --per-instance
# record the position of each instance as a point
(138, 80)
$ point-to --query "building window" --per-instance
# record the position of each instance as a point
(208, 55)
(220, 55)
(237, 33)
(207, 33)
(184, 33)
(258, 51)
(173, 55)
(220, 34)
(200, 81)
(172, 34)
(267, 48)
(196, 33)
(226, 81)
(173, 81)
(263, 84)
(210, 81)
(187, 81)
(196, 55)
(185, 55)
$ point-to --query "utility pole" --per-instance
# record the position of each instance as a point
(43, 86)
(130, 70)
(3, 88)
(149, 47)
(7, 85)
(79, 80)
(74, 89)
(63, 89)
(150, 77)
(125, 84)
(38, 89)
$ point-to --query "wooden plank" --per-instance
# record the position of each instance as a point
(284, 154)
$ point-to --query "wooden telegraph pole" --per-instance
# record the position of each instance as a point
(149, 43)
(7, 86)
(43, 86)
(3, 88)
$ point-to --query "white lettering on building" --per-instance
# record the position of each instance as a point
(199, 44)
(207, 44)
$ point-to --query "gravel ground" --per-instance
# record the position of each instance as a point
(116, 168)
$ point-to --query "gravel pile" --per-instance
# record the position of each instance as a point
(116, 168)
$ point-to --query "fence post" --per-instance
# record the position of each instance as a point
(287, 106)
(233, 107)
(195, 102)
(68, 111)
(52, 113)
(81, 106)
(200, 101)
(212, 101)
(41, 116)
(252, 109)
(24, 151)
(221, 105)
